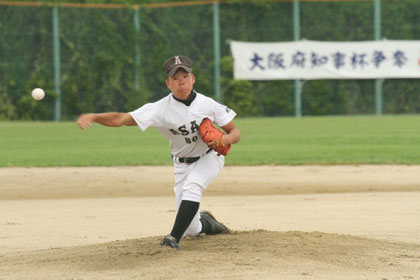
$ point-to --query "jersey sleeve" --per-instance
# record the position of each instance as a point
(223, 114)
(147, 116)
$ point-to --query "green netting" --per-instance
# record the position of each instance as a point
(98, 56)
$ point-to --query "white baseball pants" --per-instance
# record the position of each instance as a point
(192, 179)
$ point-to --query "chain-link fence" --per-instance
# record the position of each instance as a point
(110, 62)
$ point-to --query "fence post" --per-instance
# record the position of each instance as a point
(296, 37)
(216, 39)
(56, 49)
(137, 49)
(378, 82)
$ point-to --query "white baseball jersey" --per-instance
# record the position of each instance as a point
(179, 123)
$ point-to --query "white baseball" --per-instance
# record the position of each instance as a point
(38, 94)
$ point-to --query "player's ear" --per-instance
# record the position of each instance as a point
(167, 82)
(193, 78)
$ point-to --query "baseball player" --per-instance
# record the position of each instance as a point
(179, 117)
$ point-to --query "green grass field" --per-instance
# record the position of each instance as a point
(308, 140)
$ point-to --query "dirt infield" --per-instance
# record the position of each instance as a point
(300, 222)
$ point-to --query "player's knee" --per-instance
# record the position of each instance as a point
(192, 192)
(192, 231)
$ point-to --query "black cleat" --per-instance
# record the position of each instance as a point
(216, 227)
(170, 241)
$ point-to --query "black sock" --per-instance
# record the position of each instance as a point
(185, 215)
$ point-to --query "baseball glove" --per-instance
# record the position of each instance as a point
(210, 133)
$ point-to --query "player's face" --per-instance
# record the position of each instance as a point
(181, 84)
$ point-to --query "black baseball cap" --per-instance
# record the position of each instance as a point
(174, 63)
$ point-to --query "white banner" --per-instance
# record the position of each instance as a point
(311, 60)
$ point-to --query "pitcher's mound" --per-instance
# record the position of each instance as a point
(240, 255)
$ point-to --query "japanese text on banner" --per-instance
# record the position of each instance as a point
(326, 60)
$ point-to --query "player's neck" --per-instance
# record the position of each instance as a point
(189, 100)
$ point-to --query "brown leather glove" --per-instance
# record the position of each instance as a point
(212, 136)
